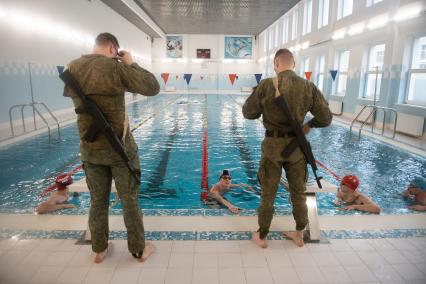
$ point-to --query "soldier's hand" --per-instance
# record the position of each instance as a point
(306, 129)
(125, 56)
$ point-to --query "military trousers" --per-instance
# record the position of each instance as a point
(269, 174)
(101, 167)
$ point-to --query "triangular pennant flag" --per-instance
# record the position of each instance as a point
(187, 77)
(308, 75)
(232, 78)
(258, 77)
(333, 74)
(165, 77)
(60, 69)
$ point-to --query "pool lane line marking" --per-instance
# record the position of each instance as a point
(205, 156)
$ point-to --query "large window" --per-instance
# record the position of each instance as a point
(307, 17)
(294, 24)
(264, 42)
(372, 2)
(342, 76)
(323, 8)
(374, 72)
(276, 35)
(285, 30)
(344, 8)
(416, 94)
(320, 69)
(271, 38)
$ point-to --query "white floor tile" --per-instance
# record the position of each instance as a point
(335, 274)
(414, 256)
(232, 276)
(82, 258)
(99, 275)
(46, 274)
(274, 246)
(228, 246)
(181, 260)
(18, 274)
(394, 256)
(278, 259)
(152, 275)
(254, 260)
(340, 245)
(290, 247)
(205, 276)
(409, 272)
(157, 260)
(230, 260)
(249, 247)
(348, 258)
(318, 247)
(13, 258)
(183, 246)
(402, 244)
(205, 260)
(68, 245)
(284, 275)
(372, 258)
(120, 245)
(385, 273)
(162, 246)
(302, 259)
(360, 245)
(419, 242)
(256, 275)
(205, 246)
(360, 273)
(49, 244)
(310, 274)
(381, 244)
(178, 275)
(73, 274)
(325, 259)
(125, 275)
(421, 266)
(36, 257)
(27, 245)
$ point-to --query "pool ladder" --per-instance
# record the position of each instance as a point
(34, 106)
(372, 116)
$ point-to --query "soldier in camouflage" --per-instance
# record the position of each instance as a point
(105, 76)
(302, 97)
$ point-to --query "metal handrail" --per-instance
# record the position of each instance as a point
(36, 110)
(374, 109)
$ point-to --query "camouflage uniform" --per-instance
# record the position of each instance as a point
(302, 97)
(105, 80)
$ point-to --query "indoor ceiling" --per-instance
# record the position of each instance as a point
(237, 17)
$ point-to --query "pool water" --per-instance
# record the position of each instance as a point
(170, 139)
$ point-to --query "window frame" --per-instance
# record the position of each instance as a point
(380, 72)
(341, 9)
(320, 73)
(370, 3)
(307, 19)
(294, 23)
(346, 73)
(413, 71)
(323, 21)
(284, 34)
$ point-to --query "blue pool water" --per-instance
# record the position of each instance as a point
(170, 149)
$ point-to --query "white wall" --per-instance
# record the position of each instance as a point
(25, 43)
(210, 66)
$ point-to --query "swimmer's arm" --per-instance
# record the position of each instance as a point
(225, 202)
(418, 207)
(243, 185)
(367, 205)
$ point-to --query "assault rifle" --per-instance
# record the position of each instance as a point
(99, 124)
(300, 140)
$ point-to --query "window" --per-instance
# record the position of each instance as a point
(271, 38)
(342, 76)
(344, 8)
(324, 6)
(320, 68)
(264, 42)
(374, 72)
(285, 30)
(276, 35)
(417, 74)
(294, 24)
(305, 67)
(307, 17)
(372, 2)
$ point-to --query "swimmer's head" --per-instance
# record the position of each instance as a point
(225, 176)
(350, 181)
(418, 182)
(63, 181)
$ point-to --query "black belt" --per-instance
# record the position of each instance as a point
(279, 134)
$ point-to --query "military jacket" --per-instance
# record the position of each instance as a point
(302, 97)
(105, 80)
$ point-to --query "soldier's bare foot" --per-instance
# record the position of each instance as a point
(296, 236)
(260, 242)
(99, 257)
(147, 251)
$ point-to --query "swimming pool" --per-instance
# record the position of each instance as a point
(170, 141)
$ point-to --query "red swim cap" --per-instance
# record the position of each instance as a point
(351, 181)
(63, 180)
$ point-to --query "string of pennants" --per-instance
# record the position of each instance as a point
(233, 77)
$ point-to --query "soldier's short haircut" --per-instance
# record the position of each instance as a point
(105, 38)
(285, 54)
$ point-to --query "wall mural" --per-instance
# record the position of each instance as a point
(174, 46)
(238, 47)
